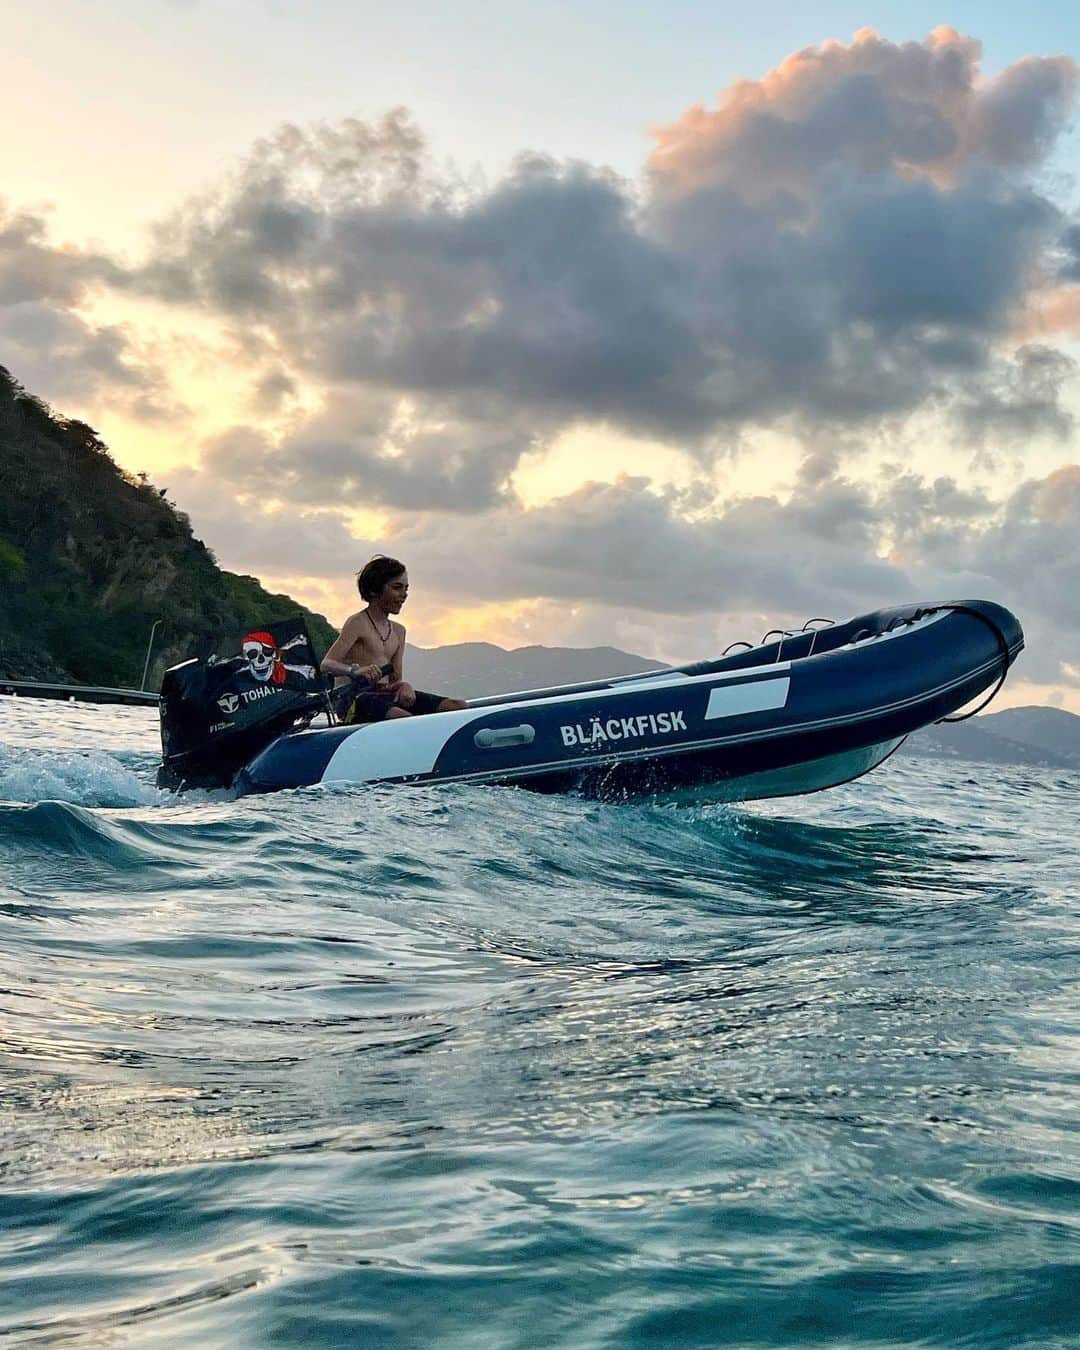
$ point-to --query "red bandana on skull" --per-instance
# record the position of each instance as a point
(263, 658)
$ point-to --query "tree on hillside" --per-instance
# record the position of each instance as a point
(91, 557)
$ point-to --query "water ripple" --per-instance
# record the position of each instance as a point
(468, 1066)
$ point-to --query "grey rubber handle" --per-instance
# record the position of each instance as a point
(498, 738)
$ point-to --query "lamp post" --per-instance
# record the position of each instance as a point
(149, 645)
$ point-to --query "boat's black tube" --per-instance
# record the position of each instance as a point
(1000, 636)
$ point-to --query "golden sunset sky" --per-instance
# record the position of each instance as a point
(622, 328)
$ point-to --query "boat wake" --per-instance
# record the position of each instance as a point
(81, 778)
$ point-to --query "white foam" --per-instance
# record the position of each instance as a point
(82, 778)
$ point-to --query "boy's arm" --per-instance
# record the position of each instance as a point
(406, 694)
(333, 663)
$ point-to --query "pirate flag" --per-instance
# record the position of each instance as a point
(219, 712)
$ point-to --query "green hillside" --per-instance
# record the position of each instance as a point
(90, 557)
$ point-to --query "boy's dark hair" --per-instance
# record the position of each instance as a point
(375, 575)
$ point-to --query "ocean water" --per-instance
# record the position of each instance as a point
(472, 1067)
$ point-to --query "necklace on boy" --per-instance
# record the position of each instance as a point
(383, 637)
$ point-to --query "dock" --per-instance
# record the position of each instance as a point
(78, 693)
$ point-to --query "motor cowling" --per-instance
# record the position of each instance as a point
(217, 713)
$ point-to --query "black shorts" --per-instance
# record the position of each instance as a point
(372, 705)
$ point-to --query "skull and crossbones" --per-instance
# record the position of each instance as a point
(263, 656)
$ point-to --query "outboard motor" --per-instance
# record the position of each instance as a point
(218, 713)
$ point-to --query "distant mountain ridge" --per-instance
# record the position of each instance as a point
(1047, 738)
(1039, 736)
(478, 669)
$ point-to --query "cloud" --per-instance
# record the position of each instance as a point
(249, 538)
(363, 449)
(54, 350)
(1018, 115)
(834, 548)
(851, 238)
(32, 270)
(625, 544)
(62, 358)
(627, 555)
(1070, 251)
(874, 109)
(1031, 547)
(862, 236)
(1019, 398)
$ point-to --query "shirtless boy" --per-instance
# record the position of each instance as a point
(372, 639)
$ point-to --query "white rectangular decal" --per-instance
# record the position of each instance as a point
(747, 698)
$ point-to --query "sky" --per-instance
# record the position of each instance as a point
(619, 326)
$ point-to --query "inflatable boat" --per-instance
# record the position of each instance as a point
(798, 712)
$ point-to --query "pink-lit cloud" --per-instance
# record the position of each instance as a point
(871, 108)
